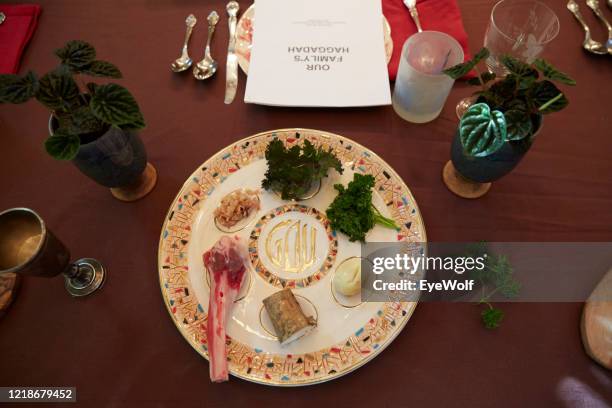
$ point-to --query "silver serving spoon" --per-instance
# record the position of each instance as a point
(594, 5)
(208, 66)
(184, 62)
(588, 43)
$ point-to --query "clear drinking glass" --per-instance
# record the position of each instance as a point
(420, 87)
(520, 28)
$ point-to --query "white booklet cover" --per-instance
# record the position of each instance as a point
(318, 53)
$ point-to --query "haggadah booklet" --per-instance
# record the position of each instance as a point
(327, 53)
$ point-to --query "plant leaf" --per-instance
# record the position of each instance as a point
(517, 67)
(16, 89)
(459, 70)
(102, 69)
(91, 87)
(84, 121)
(62, 145)
(518, 124)
(115, 105)
(76, 55)
(57, 90)
(552, 73)
(547, 98)
(484, 77)
(482, 132)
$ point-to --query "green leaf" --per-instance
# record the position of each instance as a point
(102, 69)
(484, 77)
(492, 317)
(518, 124)
(76, 55)
(58, 91)
(482, 132)
(459, 70)
(91, 87)
(517, 67)
(16, 89)
(81, 121)
(115, 105)
(547, 98)
(63, 145)
(552, 73)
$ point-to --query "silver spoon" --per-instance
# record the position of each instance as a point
(588, 43)
(208, 66)
(184, 62)
(594, 5)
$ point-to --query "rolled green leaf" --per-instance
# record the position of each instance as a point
(517, 67)
(115, 105)
(482, 132)
(552, 73)
(62, 145)
(459, 70)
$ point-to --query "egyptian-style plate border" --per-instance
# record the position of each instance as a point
(245, 361)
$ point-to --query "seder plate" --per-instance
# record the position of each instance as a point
(244, 38)
(349, 333)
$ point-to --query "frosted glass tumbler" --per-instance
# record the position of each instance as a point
(420, 87)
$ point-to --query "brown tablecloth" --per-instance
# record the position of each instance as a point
(120, 348)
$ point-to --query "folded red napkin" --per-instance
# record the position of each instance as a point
(435, 15)
(19, 24)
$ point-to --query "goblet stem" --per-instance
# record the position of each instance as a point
(84, 277)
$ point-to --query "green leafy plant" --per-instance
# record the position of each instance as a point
(496, 277)
(292, 172)
(352, 211)
(518, 100)
(83, 111)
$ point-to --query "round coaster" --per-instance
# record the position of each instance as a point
(460, 185)
(147, 181)
(9, 284)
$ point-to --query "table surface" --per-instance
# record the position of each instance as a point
(120, 348)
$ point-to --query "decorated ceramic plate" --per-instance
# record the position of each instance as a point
(244, 38)
(348, 333)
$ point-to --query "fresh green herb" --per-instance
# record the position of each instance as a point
(492, 317)
(292, 172)
(518, 100)
(80, 109)
(496, 277)
(352, 211)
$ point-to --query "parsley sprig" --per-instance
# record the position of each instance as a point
(496, 277)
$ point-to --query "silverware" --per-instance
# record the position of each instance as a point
(594, 5)
(588, 43)
(3, 17)
(184, 62)
(610, 3)
(231, 75)
(411, 4)
(208, 66)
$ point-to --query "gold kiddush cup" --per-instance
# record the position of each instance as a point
(29, 248)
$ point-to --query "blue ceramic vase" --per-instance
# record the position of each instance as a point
(495, 166)
(117, 158)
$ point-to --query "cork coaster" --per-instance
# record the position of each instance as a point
(9, 284)
(594, 327)
(141, 188)
(460, 185)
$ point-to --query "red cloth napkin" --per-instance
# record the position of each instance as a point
(435, 15)
(15, 32)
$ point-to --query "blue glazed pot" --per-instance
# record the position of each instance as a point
(117, 158)
(495, 166)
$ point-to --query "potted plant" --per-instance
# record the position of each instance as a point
(498, 129)
(93, 125)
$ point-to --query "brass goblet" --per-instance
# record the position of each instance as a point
(29, 248)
